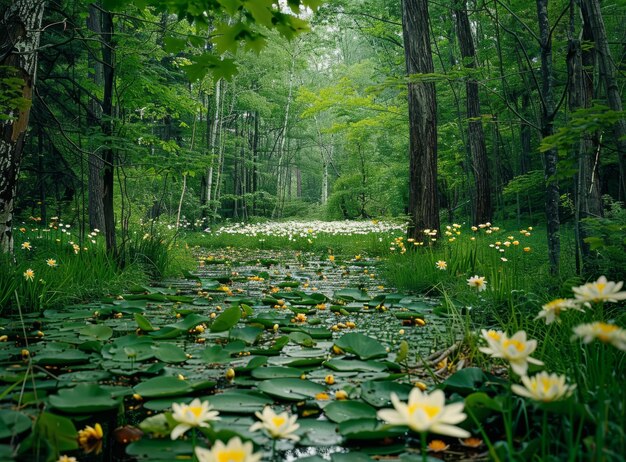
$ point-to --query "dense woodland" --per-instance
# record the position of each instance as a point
(151, 110)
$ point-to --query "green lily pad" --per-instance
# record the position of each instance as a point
(275, 372)
(367, 430)
(239, 402)
(96, 331)
(62, 358)
(361, 345)
(227, 319)
(350, 295)
(291, 389)
(215, 354)
(169, 353)
(377, 392)
(82, 399)
(318, 433)
(159, 449)
(13, 423)
(248, 334)
(340, 411)
(354, 365)
(159, 387)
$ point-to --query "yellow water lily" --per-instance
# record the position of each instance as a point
(600, 291)
(276, 425)
(90, 439)
(426, 413)
(516, 349)
(606, 333)
(233, 451)
(194, 414)
(544, 387)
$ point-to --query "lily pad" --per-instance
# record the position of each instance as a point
(354, 365)
(169, 353)
(96, 331)
(377, 392)
(13, 423)
(291, 389)
(275, 372)
(62, 358)
(227, 319)
(159, 387)
(239, 402)
(82, 399)
(340, 411)
(361, 345)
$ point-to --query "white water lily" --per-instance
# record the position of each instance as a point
(544, 387)
(552, 310)
(478, 282)
(606, 333)
(516, 349)
(233, 451)
(426, 413)
(276, 425)
(600, 291)
(194, 414)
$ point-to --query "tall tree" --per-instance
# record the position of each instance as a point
(548, 114)
(423, 200)
(482, 206)
(20, 30)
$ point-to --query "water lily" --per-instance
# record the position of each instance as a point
(516, 349)
(426, 413)
(478, 282)
(65, 458)
(441, 265)
(600, 291)
(544, 387)
(90, 439)
(195, 414)
(552, 310)
(606, 333)
(233, 451)
(276, 425)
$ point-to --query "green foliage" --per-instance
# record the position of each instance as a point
(11, 93)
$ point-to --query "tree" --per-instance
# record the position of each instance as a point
(20, 30)
(423, 200)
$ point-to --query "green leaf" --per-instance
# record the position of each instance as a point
(84, 398)
(143, 323)
(239, 402)
(174, 44)
(361, 345)
(275, 372)
(350, 295)
(215, 355)
(97, 332)
(303, 339)
(339, 411)
(159, 387)
(59, 431)
(354, 365)
(377, 393)
(227, 319)
(62, 358)
(465, 381)
(291, 389)
(12, 423)
(248, 334)
(169, 353)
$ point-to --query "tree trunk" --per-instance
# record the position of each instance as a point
(94, 119)
(20, 30)
(108, 157)
(593, 14)
(483, 208)
(423, 202)
(547, 129)
(212, 143)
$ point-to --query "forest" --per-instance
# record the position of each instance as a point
(312, 230)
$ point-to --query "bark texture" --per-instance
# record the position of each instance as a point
(20, 30)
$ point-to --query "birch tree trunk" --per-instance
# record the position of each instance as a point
(423, 200)
(20, 31)
(212, 142)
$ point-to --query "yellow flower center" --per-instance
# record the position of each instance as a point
(600, 286)
(519, 346)
(605, 331)
(430, 411)
(492, 334)
(196, 410)
(278, 420)
(231, 455)
(546, 384)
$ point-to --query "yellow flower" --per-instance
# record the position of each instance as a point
(331, 257)
(478, 282)
(321, 396)
(195, 414)
(426, 412)
(276, 425)
(551, 311)
(26, 246)
(233, 451)
(441, 265)
(90, 439)
(600, 291)
(329, 379)
(29, 275)
(526, 249)
(51, 262)
(438, 446)
(341, 395)
(606, 333)
(65, 458)
(516, 350)
(471, 442)
(544, 387)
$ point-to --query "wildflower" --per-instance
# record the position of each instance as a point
(331, 258)
(230, 374)
(26, 246)
(504, 259)
(321, 396)
(441, 265)
(478, 282)
(516, 350)
(29, 275)
(51, 262)
(276, 425)
(195, 414)
(544, 387)
(90, 439)
(471, 442)
(606, 333)
(233, 451)
(600, 291)
(65, 458)
(300, 317)
(526, 249)
(438, 446)
(341, 395)
(329, 379)
(426, 412)
(551, 311)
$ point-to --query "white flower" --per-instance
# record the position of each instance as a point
(600, 291)
(544, 387)
(276, 425)
(426, 412)
(233, 451)
(441, 265)
(478, 282)
(516, 350)
(551, 311)
(606, 333)
(195, 414)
